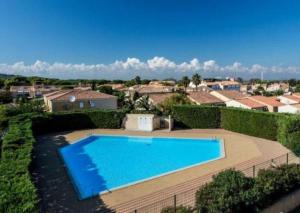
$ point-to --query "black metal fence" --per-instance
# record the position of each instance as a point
(187, 198)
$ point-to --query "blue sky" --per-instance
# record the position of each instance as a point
(95, 38)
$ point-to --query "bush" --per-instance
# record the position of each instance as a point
(49, 122)
(226, 193)
(17, 192)
(250, 122)
(192, 116)
(230, 191)
(272, 184)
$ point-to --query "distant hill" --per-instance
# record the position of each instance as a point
(6, 76)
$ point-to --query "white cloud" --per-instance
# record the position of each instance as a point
(157, 67)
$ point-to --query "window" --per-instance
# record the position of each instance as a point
(92, 103)
(81, 104)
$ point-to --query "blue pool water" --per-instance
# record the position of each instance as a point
(100, 163)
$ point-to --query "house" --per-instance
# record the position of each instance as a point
(230, 85)
(152, 89)
(35, 91)
(201, 97)
(65, 100)
(292, 108)
(277, 86)
(246, 103)
(159, 98)
(227, 95)
(213, 85)
(297, 94)
(271, 102)
(289, 99)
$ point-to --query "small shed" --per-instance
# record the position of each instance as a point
(142, 122)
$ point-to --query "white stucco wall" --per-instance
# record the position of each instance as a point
(233, 103)
(288, 109)
(286, 100)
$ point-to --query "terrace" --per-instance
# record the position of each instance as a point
(58, 193)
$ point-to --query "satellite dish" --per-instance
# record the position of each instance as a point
(72, 98)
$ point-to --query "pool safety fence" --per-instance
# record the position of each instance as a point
(184, 194)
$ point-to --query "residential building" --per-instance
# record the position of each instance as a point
(152, 89)
(159, 98)
(35, 91)
(230, 85)
(204, 98)
(246, 103)
(65, 100)
(289, 99)
(271, 102)
(292, 108)
(227, 95)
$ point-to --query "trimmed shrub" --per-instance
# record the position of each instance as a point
(250, 122)
(226, 193)
(272, 184)
(230, 191)
(191, 116)
(57, 122)
(289, 132)
(17, 192)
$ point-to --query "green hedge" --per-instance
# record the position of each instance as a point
(17, 192)
(250, 122)
(289, 132)
(49, 122)
(192, 116)
(284, 128)
(230, 191)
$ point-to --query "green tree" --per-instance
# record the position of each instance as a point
(176, 99)
(185, 82)
(297, 89)
(137, 80)
(143, 103)
(196, 79)
(106, 89)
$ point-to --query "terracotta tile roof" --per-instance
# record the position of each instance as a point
(231, 94)
(271, 101)
(297, 94)
(79, 94)
(153, 89)
(204, 98)
(159, 98)
(251, 103)
(292, 97)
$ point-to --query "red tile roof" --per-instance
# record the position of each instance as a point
(270, 101)
(292, 97)
(160, 97)
(204, 98)
(79, 95)
(251, 103)
(231, 94)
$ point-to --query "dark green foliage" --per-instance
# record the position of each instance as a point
(289, 132)
(226, 193)
(272, 184)
(192, 116)
(57, 122)
(250, 122)
(17, 192)
(230, 191)
(179, 209)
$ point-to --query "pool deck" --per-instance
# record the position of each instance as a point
(241, 151)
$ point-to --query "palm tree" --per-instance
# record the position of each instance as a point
(185, 82)
(196, 79)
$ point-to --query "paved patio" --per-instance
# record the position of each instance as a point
(57, 193)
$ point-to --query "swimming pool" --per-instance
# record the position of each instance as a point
(101, 163)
